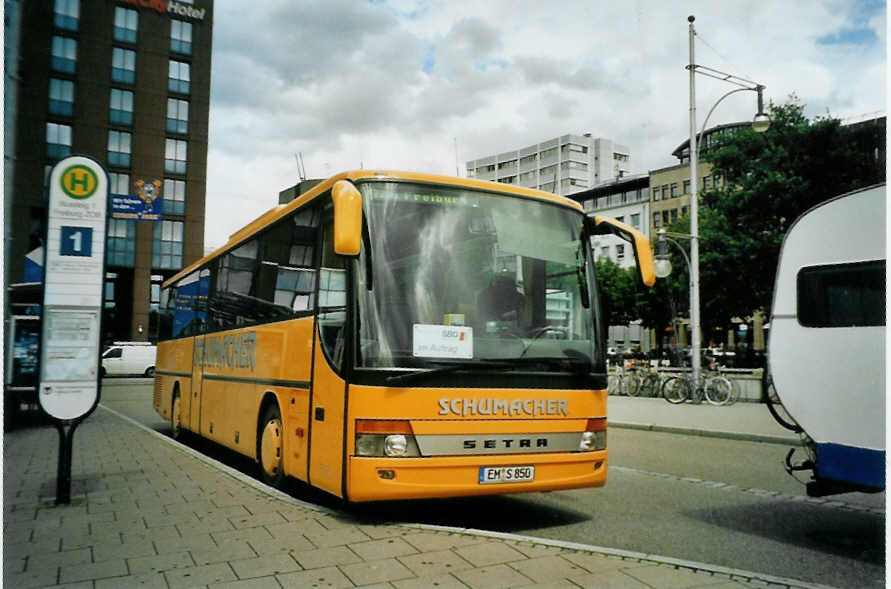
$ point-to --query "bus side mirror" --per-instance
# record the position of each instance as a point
(347, 218)
(643, 253)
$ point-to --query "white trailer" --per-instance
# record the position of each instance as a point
(826, 346)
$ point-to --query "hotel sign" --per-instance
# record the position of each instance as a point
(170, 7)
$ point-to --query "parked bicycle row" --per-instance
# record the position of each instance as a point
(646, 381)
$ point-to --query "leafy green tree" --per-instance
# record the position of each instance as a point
(617, 292)
(769, 180)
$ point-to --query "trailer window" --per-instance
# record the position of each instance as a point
(842, 295)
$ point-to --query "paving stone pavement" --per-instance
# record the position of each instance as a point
(148, 512)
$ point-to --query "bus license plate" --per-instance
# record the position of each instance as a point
(506, 474)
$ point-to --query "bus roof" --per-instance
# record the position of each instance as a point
(279, 211)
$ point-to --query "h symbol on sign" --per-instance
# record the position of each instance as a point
(82, 179)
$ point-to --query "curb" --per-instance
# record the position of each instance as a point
(690, 431)
(675, 563)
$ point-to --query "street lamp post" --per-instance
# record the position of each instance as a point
(759, 124)
(661, 263)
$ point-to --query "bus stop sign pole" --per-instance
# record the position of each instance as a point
(66, 449)
(74, 271)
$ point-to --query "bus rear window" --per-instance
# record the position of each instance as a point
(842, 295)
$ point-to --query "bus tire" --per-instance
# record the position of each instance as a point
(270, 447)
(150, 372)
(176, 421)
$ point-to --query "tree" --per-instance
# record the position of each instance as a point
(617, 292)
(769, 180)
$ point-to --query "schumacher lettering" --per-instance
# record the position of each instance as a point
(505, 407)
(229, 351)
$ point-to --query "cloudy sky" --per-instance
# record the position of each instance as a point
(421, 84)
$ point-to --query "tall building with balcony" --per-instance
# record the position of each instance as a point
(127, 83)
(562, 165)
(670, 186)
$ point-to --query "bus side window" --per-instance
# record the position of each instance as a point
(287, 275)
(332, 298)
(234, 298)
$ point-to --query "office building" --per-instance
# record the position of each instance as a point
(562, 165)
(127, 83)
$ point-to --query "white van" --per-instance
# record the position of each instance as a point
(129, 358)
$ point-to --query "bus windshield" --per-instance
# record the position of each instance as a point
(462, 277)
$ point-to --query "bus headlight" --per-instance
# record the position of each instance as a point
(594, 436)
(395, 445)
(389, 438)
(592, 441)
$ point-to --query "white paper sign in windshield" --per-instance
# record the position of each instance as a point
(442, 341)
(72, 298)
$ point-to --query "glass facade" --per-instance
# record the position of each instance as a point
(180, 37)
(64, 55)
(66, 14)
(167, 245)
(179, 77)
(123, 65)
(174, 196)
(121, 107)
(61, 97)
(175, 155)
(58, 140)
(120, 242)
(119, 148)
(126, 24)
(177, 116)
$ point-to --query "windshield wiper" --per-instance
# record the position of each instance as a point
(482, 364)
(570, 363)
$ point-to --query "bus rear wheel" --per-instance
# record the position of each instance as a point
(270, 448)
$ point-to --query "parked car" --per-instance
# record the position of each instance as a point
(129, 358)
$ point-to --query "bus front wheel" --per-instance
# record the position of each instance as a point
(270, 447)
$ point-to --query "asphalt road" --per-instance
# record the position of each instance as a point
(714, 501)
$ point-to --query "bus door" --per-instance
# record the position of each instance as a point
(328, 411)
(199, 329)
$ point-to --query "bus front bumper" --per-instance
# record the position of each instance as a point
(382, 479)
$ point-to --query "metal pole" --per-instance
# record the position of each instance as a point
(63, 472)
(694, 216)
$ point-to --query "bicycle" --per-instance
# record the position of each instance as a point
(735, 391)
(622, 382)
(650, 383)
(715, 389)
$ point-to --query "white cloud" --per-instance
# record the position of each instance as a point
(402, 84)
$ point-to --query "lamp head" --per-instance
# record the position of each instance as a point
(661, 266)
(661, 263)
(761, 122)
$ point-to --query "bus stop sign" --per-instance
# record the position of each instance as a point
(72, 296)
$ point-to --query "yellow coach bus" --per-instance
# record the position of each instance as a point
(391, 335)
